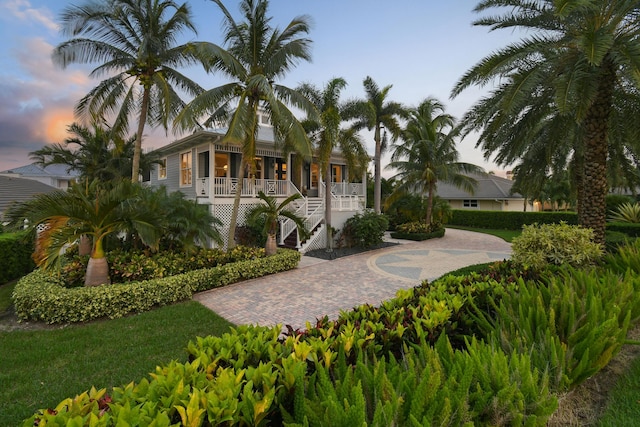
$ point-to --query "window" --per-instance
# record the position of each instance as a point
(221, 164)
(470, 203)
(162, 169)
(185, 169)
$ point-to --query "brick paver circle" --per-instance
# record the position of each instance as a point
(318, 288)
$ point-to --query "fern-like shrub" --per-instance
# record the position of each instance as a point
(555, 244)
(626, 212)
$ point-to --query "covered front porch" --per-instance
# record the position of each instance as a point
(218, 167)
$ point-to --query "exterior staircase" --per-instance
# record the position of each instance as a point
(312, 210)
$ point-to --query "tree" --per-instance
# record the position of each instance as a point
(257, 56)
(428, 154)
(328, 137)
(185, 224)
(380, 115)
(99, 212)
(272, 211)
(135, 43)
(581, 57)
(94, 152)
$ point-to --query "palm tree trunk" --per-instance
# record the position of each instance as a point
(377, 186)
(137, 150)
(430, 204)
(593, 212)
(97, 268)
(231, 239)
(327, 206)
(97, 272)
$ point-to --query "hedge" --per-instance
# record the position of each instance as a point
(41, 297)
(628, 228)
(15, 257)
(417, 236)
(508, 220)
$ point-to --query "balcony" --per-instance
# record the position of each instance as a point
(227, 187)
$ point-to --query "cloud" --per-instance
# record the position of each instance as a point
(22, 10)
(36, 102)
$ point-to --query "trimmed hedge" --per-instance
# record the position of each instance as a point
(417, 236)
(15, 257)
(508, 220)
(41, 297)
(628, 228)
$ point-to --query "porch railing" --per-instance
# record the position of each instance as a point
(250, 187)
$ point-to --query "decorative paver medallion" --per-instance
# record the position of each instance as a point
(428, 264)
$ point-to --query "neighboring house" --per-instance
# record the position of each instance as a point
(492, 193)
(54, 175)
(14, 189)
(205, 169)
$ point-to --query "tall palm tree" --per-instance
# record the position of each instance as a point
(579, 54)
(95, 152)
(375, 112)
(428, 154)
(257, 56)
(272, 211)
(135, 43)
(328, 137)
(99, 212)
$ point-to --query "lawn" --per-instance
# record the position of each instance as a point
(506, 235)
(39, 368)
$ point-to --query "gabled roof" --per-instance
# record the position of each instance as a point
(265, 135)
(489, 187)
(35, 170)
(14, 189)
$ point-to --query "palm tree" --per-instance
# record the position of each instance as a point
(580, 59)
(328, 136)
(272, 211)
(376, 113)
(135, 43)
(97, 154)
(99, 212)
(429, 154)
(257, 56)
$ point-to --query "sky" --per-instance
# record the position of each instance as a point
(420, 47)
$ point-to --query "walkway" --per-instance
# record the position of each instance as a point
(318, 288)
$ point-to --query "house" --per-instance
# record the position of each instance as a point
(492, 193)
(15, 189)
(56, 176)
(205, 168)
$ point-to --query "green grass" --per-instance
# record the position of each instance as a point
(506, 235)
(623, 408)
(40, 368)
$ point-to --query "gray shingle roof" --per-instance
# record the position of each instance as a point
(34, 170)
(13, 189)
(490, 187)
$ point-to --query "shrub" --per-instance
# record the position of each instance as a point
(612, 201)
(628, 228)
(133, 266)
(42, 297)
(507, 220)
(555, 244)
(418, 231)
(365, 230)
(15, 256)
(626, 212)
(572, 325)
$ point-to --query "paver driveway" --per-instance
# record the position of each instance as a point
(318, 288)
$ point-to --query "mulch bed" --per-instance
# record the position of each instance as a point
(342, 252)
